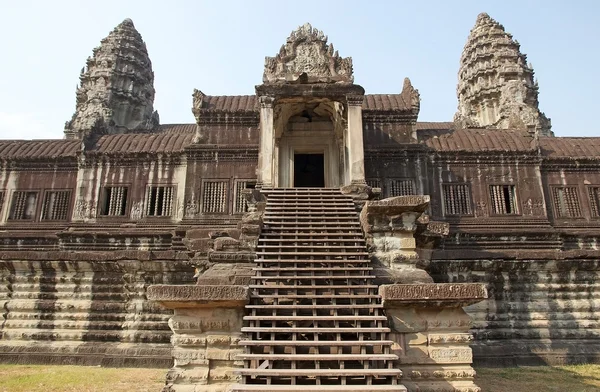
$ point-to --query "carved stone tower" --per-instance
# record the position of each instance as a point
(496, 88)
(116, 91)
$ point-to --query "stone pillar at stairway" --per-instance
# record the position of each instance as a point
(265, 154)
(206, 324)
(431, 335)
(354, 142)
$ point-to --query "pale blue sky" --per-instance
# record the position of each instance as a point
(219, 47)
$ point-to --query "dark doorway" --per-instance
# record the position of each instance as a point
(309, 171)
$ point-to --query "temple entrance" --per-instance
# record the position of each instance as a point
(309, 170)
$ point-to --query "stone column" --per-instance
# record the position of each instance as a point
(267, 134)
(431, 335)
(206, 324)
(354, 142)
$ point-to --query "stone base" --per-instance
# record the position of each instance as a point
(526, 352)
(431, 334)
(206, 328)
(142, 355)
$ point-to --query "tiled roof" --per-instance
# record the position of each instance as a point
(178, 128)
(383, 102)
(27, 149)
(231, 103)
(423, 125)
(477, 140)
(571, 147)
(146, 142)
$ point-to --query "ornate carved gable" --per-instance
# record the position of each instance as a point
(307, 58)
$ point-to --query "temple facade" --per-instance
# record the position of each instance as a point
(89, 222)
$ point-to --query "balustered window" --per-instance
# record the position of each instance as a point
(503, 199)
(457, 199)
(23, 206)
(214, 197)
(373, 182)
(56, 205)
(400, 187)
(240, 206)
(594, 194)
(159, 201)
(114, 201)
(566, 202)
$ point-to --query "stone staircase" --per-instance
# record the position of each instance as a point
(315, 320)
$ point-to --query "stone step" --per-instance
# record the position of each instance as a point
(345, 234)
(317, 216)
(333, 225)
(309, 269)
(331, 254)
(313, 277)
(341, 260)
(319, 372)
(318, 357)
(327, 343)
(298, 227)
(299, 246)
(311, 287)
(331, 199)
(317, 307)
(284, 212)
(317, 296)
(308, 207)
(275, 205)
(318, 388)
(315, 318)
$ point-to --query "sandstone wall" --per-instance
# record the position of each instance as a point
(87, 308)
(539, 310)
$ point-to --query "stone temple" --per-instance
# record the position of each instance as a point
(308, 237)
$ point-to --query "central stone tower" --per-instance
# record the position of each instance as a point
(310, 116)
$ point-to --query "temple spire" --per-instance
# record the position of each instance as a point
(496, 88)
(116, 89)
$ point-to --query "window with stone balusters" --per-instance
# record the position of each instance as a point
(400, 187)
(214, 197)
(594, 195)
(23, 205)
(159, 200)
(239, 204)
(503, 199)
(373, 182)
(56, 205)
(566, 202)
(457, 199)
(114, 201)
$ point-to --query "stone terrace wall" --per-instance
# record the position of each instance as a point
(539, 310)
(87, 308)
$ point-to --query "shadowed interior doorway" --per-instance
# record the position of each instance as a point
(309, 170)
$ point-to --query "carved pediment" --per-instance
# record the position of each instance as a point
(307, 58)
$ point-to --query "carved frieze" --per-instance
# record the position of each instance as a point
(306, 58)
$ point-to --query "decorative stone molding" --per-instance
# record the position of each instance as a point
(431, 331)
(496, 88)
(355, 100)
(306, 58)
(206, 327)
(266, 101)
